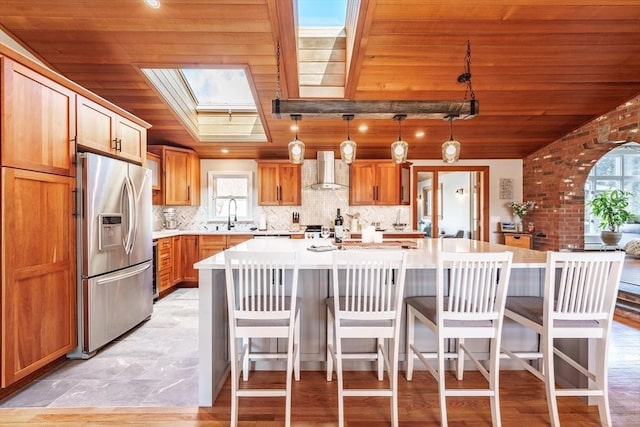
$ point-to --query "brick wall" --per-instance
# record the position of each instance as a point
(554, 176)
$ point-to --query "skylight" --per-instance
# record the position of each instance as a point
(322, 13)
(225, 89)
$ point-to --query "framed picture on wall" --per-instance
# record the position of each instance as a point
(506, 188)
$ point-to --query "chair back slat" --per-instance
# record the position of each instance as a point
(476, 284)
(368, 282)
(584, 284)
(261, 286)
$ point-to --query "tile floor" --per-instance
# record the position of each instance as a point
(156, 364)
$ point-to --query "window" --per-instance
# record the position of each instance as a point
(620, 168)
(225, 187)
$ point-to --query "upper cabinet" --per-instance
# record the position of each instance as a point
(279, 183)
(37, 121)
(103, 130)
(376, 183)
(180, 176)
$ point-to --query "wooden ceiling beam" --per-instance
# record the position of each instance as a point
(336, 108)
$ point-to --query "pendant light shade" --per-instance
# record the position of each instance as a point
(399, 148)
(348, 147)
(450, 148)
(296, 147)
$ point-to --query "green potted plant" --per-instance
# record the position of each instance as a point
(611, 207)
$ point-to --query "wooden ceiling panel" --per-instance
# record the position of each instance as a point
(540, 68)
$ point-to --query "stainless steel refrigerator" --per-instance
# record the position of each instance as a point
(114, 250)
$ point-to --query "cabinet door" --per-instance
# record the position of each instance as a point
(176, 177)
(211, 245)
(38, 311)
(132, 139)
(96, 126)
(362, 184)
(153, 163)
(289, 179)
(268, 191)
(236, 239)
(190, 255)
(193, 185)
(388, 184)
(37, 120)
(176, 259)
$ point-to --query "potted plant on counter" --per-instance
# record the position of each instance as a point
(611, 207)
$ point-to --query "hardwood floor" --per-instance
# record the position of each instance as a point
(314, 403)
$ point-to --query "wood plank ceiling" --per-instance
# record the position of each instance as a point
(541, 68)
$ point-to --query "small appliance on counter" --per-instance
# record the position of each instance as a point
(170, 221)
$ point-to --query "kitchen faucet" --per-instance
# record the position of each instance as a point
(235, 213)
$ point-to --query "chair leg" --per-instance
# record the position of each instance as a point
(601, 382)
(409, 339)
(338, 352)
(393, 379)
(441, 384)
(494, 381)
(235, 376)
(246, 343)
(549, 380)
(460, 361)
(330, 344)
(290, 365)
(296, 341)
(379, 346)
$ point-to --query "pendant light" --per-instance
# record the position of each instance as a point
(348, 147)
(450, 148)
(296, 147)
(399, 148)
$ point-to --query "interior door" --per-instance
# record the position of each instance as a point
(451, 201)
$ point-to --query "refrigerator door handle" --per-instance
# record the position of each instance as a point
(127, 194)
(114, 278)
(133, 206)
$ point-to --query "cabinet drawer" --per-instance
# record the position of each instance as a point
(165, 279)
(164, 244)
(164, 261)
(519, 240)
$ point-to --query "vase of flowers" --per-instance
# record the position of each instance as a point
(520, 209)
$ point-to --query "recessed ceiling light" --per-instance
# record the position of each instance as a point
(154, 4)
(363, 128)
(419, 134)
(224, 151)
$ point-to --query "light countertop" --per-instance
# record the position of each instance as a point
(423, 256)
(170, 233)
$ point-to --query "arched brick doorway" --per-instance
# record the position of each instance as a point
(554, 176)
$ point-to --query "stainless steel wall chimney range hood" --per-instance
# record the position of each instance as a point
(326, 172)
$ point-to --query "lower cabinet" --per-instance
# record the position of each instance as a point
(178, 254)
(38, 310)
(519, 240)
(190, 255)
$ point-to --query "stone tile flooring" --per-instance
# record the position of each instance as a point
(156, 364)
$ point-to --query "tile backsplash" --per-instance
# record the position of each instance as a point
(318, 207)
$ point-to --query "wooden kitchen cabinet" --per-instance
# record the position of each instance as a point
(165, 264)
(212, 244)
(176, 260)
(236, 239)
(279, 184)
(38, 310)
(190, 255)
(38, 121)
(105, 131)
(375, 183)
(405, 184)
(180, 172)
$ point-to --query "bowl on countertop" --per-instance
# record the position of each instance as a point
(399, 226)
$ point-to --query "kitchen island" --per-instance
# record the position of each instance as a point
(526, 279)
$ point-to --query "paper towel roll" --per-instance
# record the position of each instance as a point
(263, 222)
